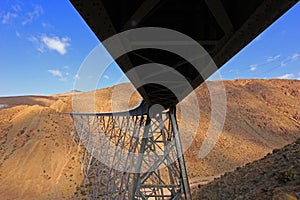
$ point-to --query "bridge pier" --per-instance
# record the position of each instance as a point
(132, 156)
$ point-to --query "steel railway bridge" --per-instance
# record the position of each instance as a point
(136, 154)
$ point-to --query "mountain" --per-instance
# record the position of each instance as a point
(40, 160)
(26, 100)
(66, 94)
(262, 115)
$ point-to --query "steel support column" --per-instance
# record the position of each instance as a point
(132, 156)
(184, 176)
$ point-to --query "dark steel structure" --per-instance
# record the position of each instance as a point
(222, 27)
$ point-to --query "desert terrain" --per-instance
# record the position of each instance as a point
(40, 160)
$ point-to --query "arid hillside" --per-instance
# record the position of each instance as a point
(40, 160)
(276, 176)
(261, 115)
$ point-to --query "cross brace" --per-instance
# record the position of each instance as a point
(132, 156)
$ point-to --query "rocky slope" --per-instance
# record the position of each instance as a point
(276, 176)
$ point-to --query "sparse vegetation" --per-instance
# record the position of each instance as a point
(21, 132)
(284, 176)
(83, 192)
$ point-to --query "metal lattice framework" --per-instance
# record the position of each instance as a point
(132, 156)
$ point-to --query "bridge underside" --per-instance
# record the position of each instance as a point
(222, 27)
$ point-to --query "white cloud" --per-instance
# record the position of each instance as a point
(253, 67)
(273, 58)
(106, 77)
(76, 77)
(37, 11)
(59, 74)
(286, 76)
(294, 57)
(6, 18)
(57, 44)
(52, 43)
(56, 73)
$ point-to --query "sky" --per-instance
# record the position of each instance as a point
(43, 44)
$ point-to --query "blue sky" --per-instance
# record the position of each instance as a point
(43, 44)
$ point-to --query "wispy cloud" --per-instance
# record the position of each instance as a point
(37, 43)
(24, 17)
(59, 74)
(273, 58)
(57, 44)
(47, 26)
(294, 57)
(283, 63)
(253, 67)
(106, 77)
(56, 72)
(76, 77)
(16, 7)
(18, 34)
(30, 16)
(287, 76)
(7, 17)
